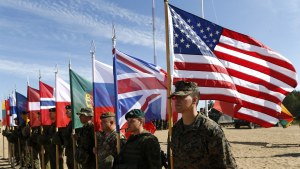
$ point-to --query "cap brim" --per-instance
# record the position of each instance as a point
(180, 93)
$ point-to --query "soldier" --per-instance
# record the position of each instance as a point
(50, 139)
(23, 136)
(33, 143)
(67, 139)
(107, 141)
(197, 141)
(142, 149)
(84, 153)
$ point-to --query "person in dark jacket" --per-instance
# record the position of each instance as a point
(142, 149)
(85, 143)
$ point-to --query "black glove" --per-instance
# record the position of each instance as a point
(56, 139)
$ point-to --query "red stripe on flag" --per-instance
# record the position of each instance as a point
(129, 63)
(242, 38)
(199, 67)
(275, 61)
(257, 67)
(256, 80)
(254, 119)
(139, 83)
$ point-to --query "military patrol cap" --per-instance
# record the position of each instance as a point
(52, 109)
(86, 111)
(135, 113)
(107, 114)
(183, 88)
(68, 106)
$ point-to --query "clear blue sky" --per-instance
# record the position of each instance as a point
(36, 35)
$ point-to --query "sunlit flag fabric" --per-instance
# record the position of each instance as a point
(81, 96)
(33, 96)
(228, 65)
(3, 113)
(7, 108)
(103, 91)
(63, 99)
(141, 85)
(47, 102)
(13, 110)
(21, 105)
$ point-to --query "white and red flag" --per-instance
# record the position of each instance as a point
(62, 100)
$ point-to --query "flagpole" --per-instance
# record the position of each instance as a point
(30, 131)
(42, 129)
(205, 101)
(93, 53)
(19, 121)
(73, 119)
(56, 128)
(169, 104)
(153, 30)
(116, 91)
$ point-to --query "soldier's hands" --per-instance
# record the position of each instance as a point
(74, 136)
(95, 151)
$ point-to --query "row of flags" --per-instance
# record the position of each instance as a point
(227, 66)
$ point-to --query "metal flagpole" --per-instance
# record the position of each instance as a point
(153, 30)
(169, 79)
(73, 129)
(116, 91)
(41, 132)
(56, 128)
(205, 102)
(93, 54)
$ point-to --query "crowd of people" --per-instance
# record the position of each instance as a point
(196, 141)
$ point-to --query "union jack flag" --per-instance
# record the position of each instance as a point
(141, 85)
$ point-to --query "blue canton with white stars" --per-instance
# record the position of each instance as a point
(192, 34)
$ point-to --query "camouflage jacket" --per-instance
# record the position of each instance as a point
(140, 152)
(107, 144)
(200, 145)
(86, 141)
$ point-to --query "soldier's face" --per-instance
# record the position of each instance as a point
(183, 103)
(69, 113)
(134, 124)
(105, 123)
(84, 119)
(52, 116)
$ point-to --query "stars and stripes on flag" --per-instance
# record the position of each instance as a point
(141, 85)
(21, 105)
(47, 102)
(63, 98)
(104, 93)
(230, 66)
(33, 96)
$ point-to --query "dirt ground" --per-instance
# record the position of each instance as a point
(261, 148)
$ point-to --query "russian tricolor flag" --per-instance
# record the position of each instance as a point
(103, 90)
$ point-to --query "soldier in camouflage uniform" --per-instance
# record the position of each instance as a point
(67, 139)
(197, 142)
(84, 152)
(50, 139)
(142, 149)
(36, 148)
(107, 141)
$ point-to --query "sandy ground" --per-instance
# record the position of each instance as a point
(261, 148)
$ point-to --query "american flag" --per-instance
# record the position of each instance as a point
(141, 85)
(231, 67)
